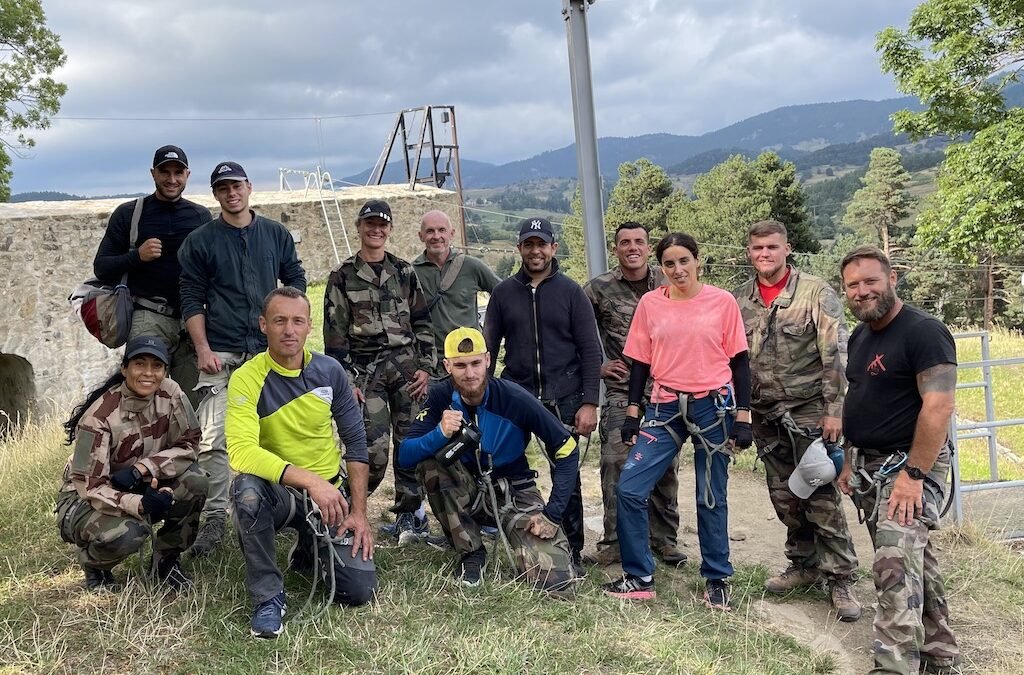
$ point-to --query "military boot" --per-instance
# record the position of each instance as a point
(168, 572)
(210, 537)
(792, 578)
(844, 601)
(604, 557)
(670, 555)
(99, 580)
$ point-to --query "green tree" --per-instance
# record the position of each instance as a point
(883, 201)
(644, 194)
(29, 53)
(571, 251)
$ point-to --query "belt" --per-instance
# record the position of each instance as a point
(158, 307)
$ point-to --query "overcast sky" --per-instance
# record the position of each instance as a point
(677, 66)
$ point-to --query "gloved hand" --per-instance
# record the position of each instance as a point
(630, 429)
(156, 503)
(126, 480)
(742, 434)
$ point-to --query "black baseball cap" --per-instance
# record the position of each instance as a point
(227, 171)
(375, 208)
(147, 344)
(536, 227)
(169, 153)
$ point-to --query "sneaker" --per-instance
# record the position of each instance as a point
(169, 572)
(438, 543)
(716, 595)
(100, 580)
(578, 570)
(210, 537)
(847, 607)
(670, 555)
(604, 557)
(629, 587)
(470, 569)
(792, 578)
(488, 531)
(411, 529)
(267, 619)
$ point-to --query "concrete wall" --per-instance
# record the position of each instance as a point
(47, 248)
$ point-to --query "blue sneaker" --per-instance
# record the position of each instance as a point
(267, 619)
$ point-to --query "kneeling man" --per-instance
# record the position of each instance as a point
(473, 430)
(281, 443)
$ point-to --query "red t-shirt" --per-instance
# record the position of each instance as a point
(687, 342)
(769, 293)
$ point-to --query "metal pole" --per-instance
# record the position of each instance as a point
(588, 170)
(958, 501)
(990, 409)
(458, 178)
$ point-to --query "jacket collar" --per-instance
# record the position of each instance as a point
(522, 277)
(422, 258)
(131, 403)
(652, 282)
(366, 273)
(785, 298)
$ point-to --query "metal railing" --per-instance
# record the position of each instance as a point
(984, 429)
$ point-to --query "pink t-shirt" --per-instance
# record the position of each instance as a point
(687, 342)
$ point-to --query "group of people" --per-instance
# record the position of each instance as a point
(408, 378)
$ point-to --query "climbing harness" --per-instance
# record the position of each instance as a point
(725, 404)
(485, 488)
(863, 483)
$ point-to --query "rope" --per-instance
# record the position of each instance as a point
(321, 534)
(488, 485)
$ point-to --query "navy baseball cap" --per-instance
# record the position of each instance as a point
(375, 208)
(169, 153)
(536, 227)
(227, 171)
(147, 344)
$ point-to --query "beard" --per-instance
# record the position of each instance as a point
(886, 300)
(471, 393)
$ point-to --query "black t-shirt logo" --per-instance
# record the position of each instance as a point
(876, 367)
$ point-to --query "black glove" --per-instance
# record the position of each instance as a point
(742, 434)
(630, 428)
(126, 480)
(156, 504)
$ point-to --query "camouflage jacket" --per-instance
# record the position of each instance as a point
(797, 345)
(614, 303)
(121, 429)
(364, 317)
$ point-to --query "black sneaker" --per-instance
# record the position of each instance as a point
(169, 572)
(629, 587)
(100, 580)
(471, 566)
(716, 595)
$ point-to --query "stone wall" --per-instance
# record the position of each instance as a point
(47, 248)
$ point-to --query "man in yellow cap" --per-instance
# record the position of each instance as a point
(470, 437)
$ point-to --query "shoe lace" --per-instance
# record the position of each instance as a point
(841, 590)
(271, 609)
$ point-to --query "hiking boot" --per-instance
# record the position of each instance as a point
(792, 578)
(946, 667)
(844, 601)
(411, 529)
(604, 557)
(210, 537)
(716, 595)
(100, 580)
(471, 566)
(629, 587)
(169, 572)
(267, 619)
(670, 555)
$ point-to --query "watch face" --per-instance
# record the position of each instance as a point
(915, 473)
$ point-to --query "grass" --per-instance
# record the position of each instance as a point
(422, 622)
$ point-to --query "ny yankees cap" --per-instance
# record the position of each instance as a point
(147, 344)
(169, 153)
(227, 171)
(458, 336)
(375, 208)
(536, 227)
(815, 469)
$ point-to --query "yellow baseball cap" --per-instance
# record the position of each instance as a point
(455, 338)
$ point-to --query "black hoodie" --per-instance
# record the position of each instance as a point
(552, 348)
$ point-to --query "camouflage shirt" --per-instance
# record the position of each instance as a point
(119, 430)
(614, 302)
(364, 316)
(797, 345)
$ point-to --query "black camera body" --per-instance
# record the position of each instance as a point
(465, 440)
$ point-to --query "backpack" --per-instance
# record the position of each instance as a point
(106, 309)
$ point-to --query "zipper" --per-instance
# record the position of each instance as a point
(536, 341)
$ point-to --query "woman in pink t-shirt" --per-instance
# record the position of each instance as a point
(689, 337)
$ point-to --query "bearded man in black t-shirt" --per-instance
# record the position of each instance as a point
(902, 387)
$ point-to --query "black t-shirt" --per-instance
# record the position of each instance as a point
(882, 403)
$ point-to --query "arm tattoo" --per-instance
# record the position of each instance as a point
(940, 378)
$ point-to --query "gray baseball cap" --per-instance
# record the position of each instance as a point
(815, 469)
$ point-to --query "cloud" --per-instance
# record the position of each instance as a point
(658, 65)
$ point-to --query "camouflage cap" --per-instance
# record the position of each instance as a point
(457, 336)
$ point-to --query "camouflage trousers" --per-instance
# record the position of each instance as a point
(387, 414)
(104, 540)
(462, 504)
(662, 505)
(817, 535)
(912, 618)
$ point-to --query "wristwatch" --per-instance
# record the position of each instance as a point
(914, 472)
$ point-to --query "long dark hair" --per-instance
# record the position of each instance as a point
(71, 426)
